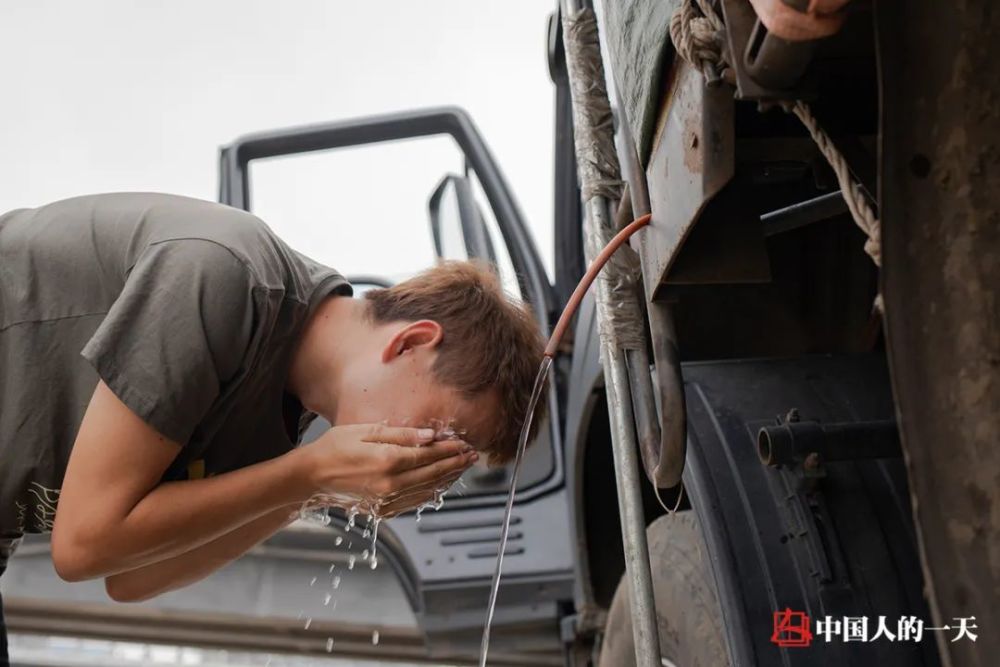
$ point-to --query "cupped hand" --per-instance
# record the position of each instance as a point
(380, 463)
(415, 497)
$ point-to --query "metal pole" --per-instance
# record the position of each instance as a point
(643, 609)
(599, 175)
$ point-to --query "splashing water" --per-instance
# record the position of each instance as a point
(318, 516)
(366, 533)
(522, 443)
(316, 510)
(435, 503)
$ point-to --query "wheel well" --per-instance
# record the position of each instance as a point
(602, 532)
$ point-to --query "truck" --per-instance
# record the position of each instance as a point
(781, 449)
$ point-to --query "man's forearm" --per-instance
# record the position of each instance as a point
(179, 571)
(177, 517)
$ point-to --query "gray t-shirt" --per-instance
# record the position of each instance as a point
(188, 310)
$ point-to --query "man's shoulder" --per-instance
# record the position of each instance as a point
(271, 262)
(178, 217)
(205, 229)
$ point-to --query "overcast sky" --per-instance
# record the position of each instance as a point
(118, 95)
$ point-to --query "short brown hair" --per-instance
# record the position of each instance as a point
(491, 341)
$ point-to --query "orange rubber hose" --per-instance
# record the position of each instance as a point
(588, 278)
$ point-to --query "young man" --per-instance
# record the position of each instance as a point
(161, 356)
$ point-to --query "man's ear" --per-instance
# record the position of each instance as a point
(420, 334)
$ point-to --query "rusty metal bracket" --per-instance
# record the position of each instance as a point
(741, 25)
(692, 160)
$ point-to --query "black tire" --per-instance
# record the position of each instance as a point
(687, 609)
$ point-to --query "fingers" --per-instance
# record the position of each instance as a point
(424, 491)
(396, 435)
(432, 473)
(396, 479)
(415, 457)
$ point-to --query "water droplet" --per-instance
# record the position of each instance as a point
(336, 583)
(352, 515)
(374, 562)
(364, 555)
(378, 521)
(329, 644)
(309, 622)
(333, 566)
(326, 600)
(312, 582)
(339, 540)
(375, 637)
(350, 562)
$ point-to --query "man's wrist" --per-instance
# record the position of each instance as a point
(301, 471)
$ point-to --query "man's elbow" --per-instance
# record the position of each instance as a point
(121, 589)
(75, 559)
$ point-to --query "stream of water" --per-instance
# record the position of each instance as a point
(522, 443)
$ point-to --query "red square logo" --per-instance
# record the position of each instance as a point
(791, 629)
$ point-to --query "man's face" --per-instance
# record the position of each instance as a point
(393, 382)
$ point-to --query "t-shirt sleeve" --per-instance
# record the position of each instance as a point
(177, 333)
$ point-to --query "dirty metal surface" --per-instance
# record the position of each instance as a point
(725, 247)
(940, 194)
(692, 160)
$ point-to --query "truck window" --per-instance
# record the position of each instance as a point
(361, 210)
